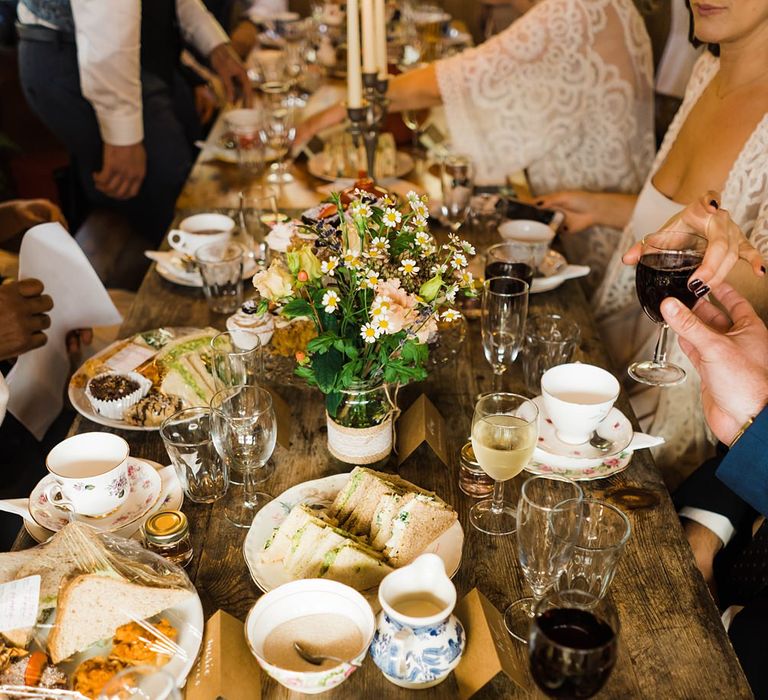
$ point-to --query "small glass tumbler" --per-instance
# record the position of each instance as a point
(221, 267)
(473, 481)
(188, 441)
(604, 532)
(550, 340)
(236, 359)
(244, 127)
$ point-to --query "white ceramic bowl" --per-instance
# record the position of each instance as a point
(298, 599)
(577, 398)
(533, 237)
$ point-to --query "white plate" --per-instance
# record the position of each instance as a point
(321, 491)
(192, 279)
(615, 427)
(606, 468)
(556, 270)
(83, 406)
(145, 490)
(171, 498)
(319, 166)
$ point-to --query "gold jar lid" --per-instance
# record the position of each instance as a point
(468, 456)
(166, 526)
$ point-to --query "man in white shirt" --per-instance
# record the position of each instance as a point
(103, 76)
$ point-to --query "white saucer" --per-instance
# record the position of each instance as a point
(176, 274)
(616, 428)
(146, 488)
(555, 270)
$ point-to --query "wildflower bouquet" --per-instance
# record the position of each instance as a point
(375, 282)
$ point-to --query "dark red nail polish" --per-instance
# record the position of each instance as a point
(713, 203)
(702, 291)
(539, 202)
(694, 285)
(762, 269)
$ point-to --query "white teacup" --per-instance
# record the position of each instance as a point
(200, 229)
(577, 398)
(90, 472)
(531, 236)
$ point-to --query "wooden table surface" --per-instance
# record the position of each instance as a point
(673, 644)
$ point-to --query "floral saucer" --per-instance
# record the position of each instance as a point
(605, 468)
(616, 428)
(146, 487)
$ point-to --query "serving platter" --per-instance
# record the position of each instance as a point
(320, 493)
(319, 166)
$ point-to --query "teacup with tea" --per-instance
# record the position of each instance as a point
(90, 474)
(199, 230)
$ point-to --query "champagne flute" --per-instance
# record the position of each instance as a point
(258, 209)
(573, 644)
(278, 134)
(504, 312)
(548, 522)
(244, 431)
(504, 432)
(457, 180)
(667, 261)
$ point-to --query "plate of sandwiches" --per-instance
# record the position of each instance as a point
(136, 383)
(353, 528)
(94, 619)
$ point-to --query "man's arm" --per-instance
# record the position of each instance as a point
(108, 36)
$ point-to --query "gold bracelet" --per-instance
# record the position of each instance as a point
(741, 432)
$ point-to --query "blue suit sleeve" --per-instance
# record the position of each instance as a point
(745, 468)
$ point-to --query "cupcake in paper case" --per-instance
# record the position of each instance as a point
(112, 393)
(248, 319)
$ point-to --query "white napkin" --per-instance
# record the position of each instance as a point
(36, 382)
(168, 259)
(642, 440)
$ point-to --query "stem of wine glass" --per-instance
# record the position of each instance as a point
(660, 353)
(498, 383)
(250, 484)
(497, 504)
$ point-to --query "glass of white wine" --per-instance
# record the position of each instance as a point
(505, 428)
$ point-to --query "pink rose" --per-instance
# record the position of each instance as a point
(403, 312)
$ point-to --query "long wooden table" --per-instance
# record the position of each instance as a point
(673, 644)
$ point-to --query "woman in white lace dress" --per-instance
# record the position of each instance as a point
(565, 92)
(718, 141)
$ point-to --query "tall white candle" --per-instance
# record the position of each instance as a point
(354, 79)
(369, 38)
(381, 38)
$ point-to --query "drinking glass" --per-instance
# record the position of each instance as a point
(221, 267)
(236, 358)
(548, 522)
(244, 126)
(272, 67)
(573, 644)
(504, 432)
(258, 210)
(504, 311)
(244, 431)
(187, 439)
(141, 683)
(278, 134)
(667, 261)
(604, 532)
(509, 260)
(550, 340)
(456, 177)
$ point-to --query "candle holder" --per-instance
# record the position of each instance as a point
(367, 121)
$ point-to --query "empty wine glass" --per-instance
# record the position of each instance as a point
(236, 359)
(504, 432)
(278, 134)
(258, 212)
(457, 180)
(548, 522)
(573, 644)
(504, 311)
(244, 431)
(667, 261)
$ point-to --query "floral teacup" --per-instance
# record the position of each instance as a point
(90, 472)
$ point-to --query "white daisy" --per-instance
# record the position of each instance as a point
(330, 301)
(408, 267)
(468, 248)
(423, 239)
(369, 333)
(412, 198)
(466, 278)
(379, 246)
(458, 261)
(328, 266)
(419, 221)
(381, 304)
(382, 324)
(438, 269)
(391, 217)
(451, 315)
(450, 292)
(352, 260)
(370, 280)
(420, 209)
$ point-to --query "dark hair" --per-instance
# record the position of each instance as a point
(714, 49)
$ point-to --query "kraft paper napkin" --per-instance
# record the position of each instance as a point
(36, 382)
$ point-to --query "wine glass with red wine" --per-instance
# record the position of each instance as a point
(572, 644)
(667, 261)
(509, 260)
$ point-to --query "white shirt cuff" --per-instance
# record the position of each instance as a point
(121, 130)
(715, 522)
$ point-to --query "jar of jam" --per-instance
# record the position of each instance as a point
(472, 479)
(167, 533)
